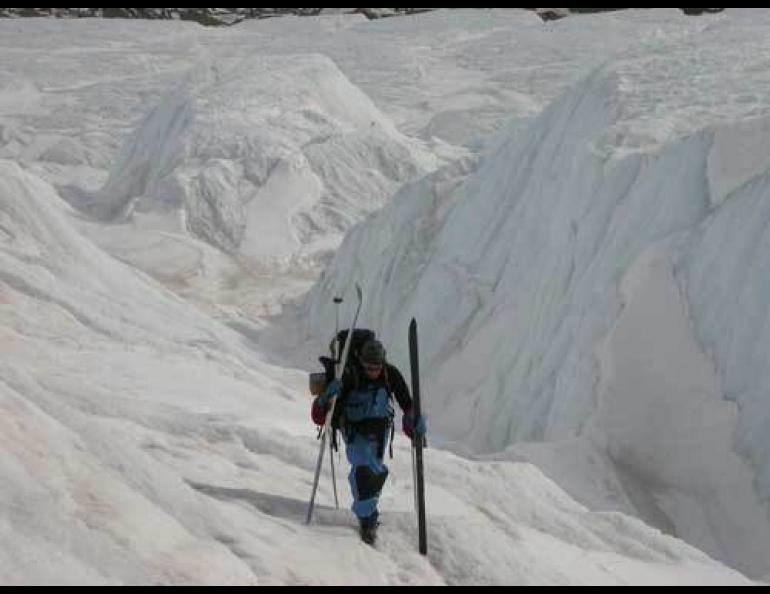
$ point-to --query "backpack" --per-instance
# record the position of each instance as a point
(359, 338)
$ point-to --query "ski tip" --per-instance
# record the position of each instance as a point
(359, 292)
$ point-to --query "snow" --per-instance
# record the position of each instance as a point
(528, 251)
(666, 425)
(289, 126)
(579, 234)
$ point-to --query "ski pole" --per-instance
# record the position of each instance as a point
(334, 476)
(337, 302)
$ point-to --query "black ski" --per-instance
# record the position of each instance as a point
(418, 442)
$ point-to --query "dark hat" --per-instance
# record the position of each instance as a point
(372, 352)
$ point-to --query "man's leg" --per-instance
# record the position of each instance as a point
(367, 476)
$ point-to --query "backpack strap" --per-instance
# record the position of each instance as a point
(390, 396)
(387, 380)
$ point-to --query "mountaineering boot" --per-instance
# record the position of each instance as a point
(368, 529)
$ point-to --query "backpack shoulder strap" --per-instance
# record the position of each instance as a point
(387, 380)
(390, 397)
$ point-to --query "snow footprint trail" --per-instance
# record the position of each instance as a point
(493, 523)
(332, 535)
(276, 505)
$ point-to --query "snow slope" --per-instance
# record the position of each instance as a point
(264, 158)
(528, 251)
(143, 443)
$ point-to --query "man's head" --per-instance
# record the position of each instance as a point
(372, 357)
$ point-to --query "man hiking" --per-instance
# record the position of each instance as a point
(364, 415)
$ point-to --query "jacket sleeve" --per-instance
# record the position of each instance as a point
(399, 388)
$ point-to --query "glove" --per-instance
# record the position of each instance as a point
(321, 404)
(332, 389)
(414, 427)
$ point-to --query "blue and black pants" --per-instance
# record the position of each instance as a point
(365, 451)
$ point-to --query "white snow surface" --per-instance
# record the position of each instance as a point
(143, 443)
(574, 211)
(514, 265)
